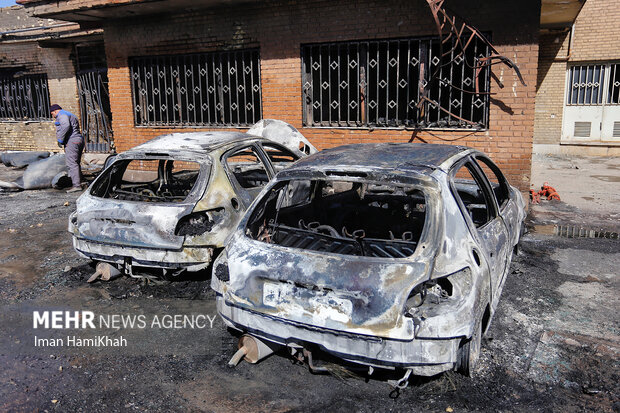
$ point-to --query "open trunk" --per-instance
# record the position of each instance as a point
(343, 217)
(148, 180)
(140, 202)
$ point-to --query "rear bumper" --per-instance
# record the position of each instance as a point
(194, 258)
(423, 356)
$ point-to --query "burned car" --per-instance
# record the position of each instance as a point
(381, 255)
(169, 204)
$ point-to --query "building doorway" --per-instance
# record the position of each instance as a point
(95, 112)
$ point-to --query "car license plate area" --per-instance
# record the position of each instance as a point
(320, 303)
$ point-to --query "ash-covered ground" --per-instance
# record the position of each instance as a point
(553, 345)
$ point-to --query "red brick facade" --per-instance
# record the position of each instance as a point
(279, 28)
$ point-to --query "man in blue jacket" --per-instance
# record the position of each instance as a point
(68, 135)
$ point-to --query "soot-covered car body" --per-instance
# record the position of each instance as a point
(171, 202)
(386, 255)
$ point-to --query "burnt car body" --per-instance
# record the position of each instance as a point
(171, 202)
(384, 255)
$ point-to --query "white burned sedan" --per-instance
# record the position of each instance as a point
(383, 255)
(169, 204)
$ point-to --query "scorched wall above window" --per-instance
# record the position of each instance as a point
(206, 89)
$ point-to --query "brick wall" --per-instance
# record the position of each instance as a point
(28, 136)
(597, 32)
(596, 37)
(56, 63)
(279, 28)
(550, 87)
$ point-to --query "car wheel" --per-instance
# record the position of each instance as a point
(469, 352)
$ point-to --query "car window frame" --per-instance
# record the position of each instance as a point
(503, 182)
(485, 186)
(281, 147)
(259, 154)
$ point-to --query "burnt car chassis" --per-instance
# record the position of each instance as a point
(167, 206)
(382, 255)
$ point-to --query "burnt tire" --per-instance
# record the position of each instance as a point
(469, 351)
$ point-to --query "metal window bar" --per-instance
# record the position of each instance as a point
(206, 89)
(378, 83)
(586, 84)
(613, 89)
(24, 98)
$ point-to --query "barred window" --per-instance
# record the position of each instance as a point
(613, 94)
(207, 89)
(586, 85)
(380, 84)
(24, 97)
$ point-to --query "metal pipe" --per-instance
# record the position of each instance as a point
(252, 350)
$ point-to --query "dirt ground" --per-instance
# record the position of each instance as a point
(553, 345)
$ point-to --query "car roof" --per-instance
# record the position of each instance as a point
(203, 142)
(391, 157)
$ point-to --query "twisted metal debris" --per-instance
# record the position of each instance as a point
(460, 34)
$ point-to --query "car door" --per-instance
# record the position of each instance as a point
(479, 206)
(507, 205)
(248, 171)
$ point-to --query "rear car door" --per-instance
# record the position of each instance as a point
(479, 206)
(507, 205)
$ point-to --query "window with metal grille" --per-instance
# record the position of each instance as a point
(24, 97)
(380, 84)
(613, 95)
(207, 89)
(586, 85)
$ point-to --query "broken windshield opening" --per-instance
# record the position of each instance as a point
(151, 180)
(342, 217)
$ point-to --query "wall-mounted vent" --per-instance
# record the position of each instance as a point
(616, 133)
(582, 129)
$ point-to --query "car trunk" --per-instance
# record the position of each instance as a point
(334, 255)
(139, 202)
(351, 218)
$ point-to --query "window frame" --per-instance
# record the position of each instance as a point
(608, 89)
(9, 86)
(483, 184)
(502, 181)
(308, 89)
(282, 148)
(183, 99)
(242, 192)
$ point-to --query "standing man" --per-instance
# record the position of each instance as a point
(68, 135)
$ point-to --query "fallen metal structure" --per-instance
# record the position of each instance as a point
(455, 37)
(169, 204)
(381, 255)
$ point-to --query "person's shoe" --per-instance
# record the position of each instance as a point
(74, 189)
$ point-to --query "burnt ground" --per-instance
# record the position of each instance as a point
(553, 344)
